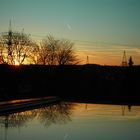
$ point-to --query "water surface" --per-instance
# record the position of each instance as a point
(73, 121)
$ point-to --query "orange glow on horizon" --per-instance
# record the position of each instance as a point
(16, 63)
(103, 56)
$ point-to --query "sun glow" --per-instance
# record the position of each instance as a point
(16, 63)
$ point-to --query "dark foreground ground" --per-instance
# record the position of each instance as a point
(83, 82)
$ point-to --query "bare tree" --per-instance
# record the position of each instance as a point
(47, 51)
(2, 52)
(22, 44)
(14, 50)
(43, 53)
(56, 52)
(52, 49)
(17, 47)
(32, 54)
(66, 54)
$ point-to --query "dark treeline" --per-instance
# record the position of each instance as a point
(82, 81)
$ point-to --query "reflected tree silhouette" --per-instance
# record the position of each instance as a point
(123, 109)
(59, 113)
(17, 119)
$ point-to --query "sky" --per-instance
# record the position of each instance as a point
(100, 29)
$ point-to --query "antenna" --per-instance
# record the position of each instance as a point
(123, 110)
(10, 35)
(87, 60)
(10, 26)
(124, 61)
(86, 106)
(10, 43)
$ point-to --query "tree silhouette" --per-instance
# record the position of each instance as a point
(17, 51)
(65, 54)
(2, 52)
(56, 52)
(16, 47)
(46, 51)
(130, 63)
(33, 54)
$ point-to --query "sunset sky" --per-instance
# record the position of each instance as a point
(101, 29)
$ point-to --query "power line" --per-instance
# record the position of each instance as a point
(40, 37)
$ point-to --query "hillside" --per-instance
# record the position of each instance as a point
(99, 82)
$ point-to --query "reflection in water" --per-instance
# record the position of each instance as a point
(17, 119)
(62, 113)
(123, 109)
(59, 113)
(129, 108)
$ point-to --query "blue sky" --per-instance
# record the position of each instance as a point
(107, 23)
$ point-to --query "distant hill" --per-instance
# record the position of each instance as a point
(94, 81)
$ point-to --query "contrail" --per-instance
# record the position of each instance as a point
(69, 27)
(65, 136)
